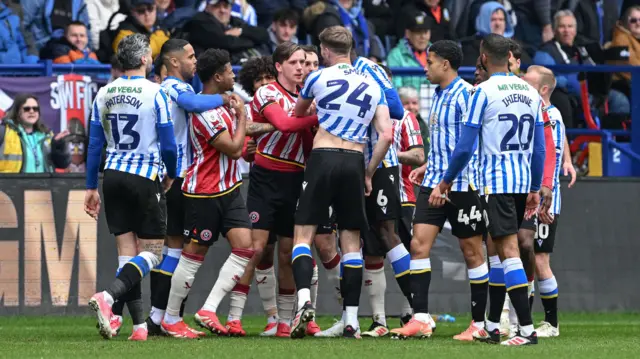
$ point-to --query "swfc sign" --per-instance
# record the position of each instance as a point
(48, 244)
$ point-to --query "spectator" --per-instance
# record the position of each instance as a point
(492, 19)
(379, 13)
(533, 22)
(411, 103)
(163, 9)
(595, 19)
(215, 27)
(243, 10)
(47, 19)
(13, 48)
(627, 35)
(348, 13)
(265, 9)
(283, 28)
(411, 51)
(73, 48)
(27, 146)
(99, 13)
(432, 9)
(142, 20)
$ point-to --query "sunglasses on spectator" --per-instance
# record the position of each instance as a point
(634, 20)
(29, 108)
(144, 9)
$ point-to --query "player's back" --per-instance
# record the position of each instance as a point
(130, 109)
(346, 103)
(180, 117)
(511, 108)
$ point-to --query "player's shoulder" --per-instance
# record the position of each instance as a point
(268, 89)
(172, 83)
(554, 114)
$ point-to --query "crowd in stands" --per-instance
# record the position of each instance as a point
(395, 32)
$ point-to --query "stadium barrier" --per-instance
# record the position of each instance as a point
(53, 256)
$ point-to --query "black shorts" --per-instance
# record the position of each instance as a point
(272, 198)
(504, 213)
(205, 218)
(405, 224)
(330, 226)
(333, 177)
(384, 202)
(546, 236)
(464, 213)
(175, 209)
(530, 224)
(135, 204)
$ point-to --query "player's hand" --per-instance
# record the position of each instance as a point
(546, 195)
(92, 203)
(236, 31)
(438, 197)
(225, 99)
(166, 184)
(568, 169)
(312, 109)
(251, 147)
(547, 33)
(367, 186)
(417, 175)
(533, 203)
(545, 217)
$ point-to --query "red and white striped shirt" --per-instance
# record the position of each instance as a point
(277, 150)
(212, 173)
(406, 136)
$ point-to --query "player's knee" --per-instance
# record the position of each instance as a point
(419, 248)
(471, 251)
(542, 262)
(266, 260)
(284, 255)
(388, 234)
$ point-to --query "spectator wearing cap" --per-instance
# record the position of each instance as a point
(411, 51)
(348, 13)
(433, 9)
(283, 28)
(492, 19)
(142, 20)
(46, 19)
(216, 28)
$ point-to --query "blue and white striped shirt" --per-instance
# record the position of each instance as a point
(129, 110)
(558, 139)
(346, 101)
(175, 87)
(445, 126)
(506, 109)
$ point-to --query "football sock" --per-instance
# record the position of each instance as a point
(497, 292)
(302, 265)
(352, 317)
(314, 284)
(118, 305)
(517, 286)
(375, 282)
(238, 299)
(286, 303)
(532, 294)
(135, 305)
(420, 282)
(231, 271)
(479, 283)
(153, 276)
(132, 273)
(351, 284)
(181, 283)
(162, 284)
(333, 273)
(549, 296)
(513, 317)
(266, 283)
(406, 307)
(400, 260)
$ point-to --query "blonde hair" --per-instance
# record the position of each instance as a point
(406, 93)
(547, 78)
(338, 39)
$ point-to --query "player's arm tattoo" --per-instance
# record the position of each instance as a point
(257, 129)
(412, 157)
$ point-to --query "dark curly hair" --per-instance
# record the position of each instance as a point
(211, 62)
(253, 69)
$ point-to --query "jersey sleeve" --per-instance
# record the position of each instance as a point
(177, 89)
(478, 102)
(379, 75)
(542, 119)
(265, 96)
(209, 125)
(162, 102)
(410, 136)
(308, 89)
(383, 98)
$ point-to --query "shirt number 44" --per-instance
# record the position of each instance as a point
(474, 215)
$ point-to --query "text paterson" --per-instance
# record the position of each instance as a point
(516, 97)
(124, 99)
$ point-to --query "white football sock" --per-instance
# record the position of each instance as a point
(231, 270)
(333, 274)
(156, 315)
(108, 298)
(181, 282)
(286, 302)
(352, 317)
(266, 282)
(304, 295)
(138, 326)
(238, 300)
(314, 285)
(375, 283)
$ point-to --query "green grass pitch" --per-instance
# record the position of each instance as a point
(584, 336)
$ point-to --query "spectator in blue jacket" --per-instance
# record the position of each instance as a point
(13, 48)
(47, 19)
